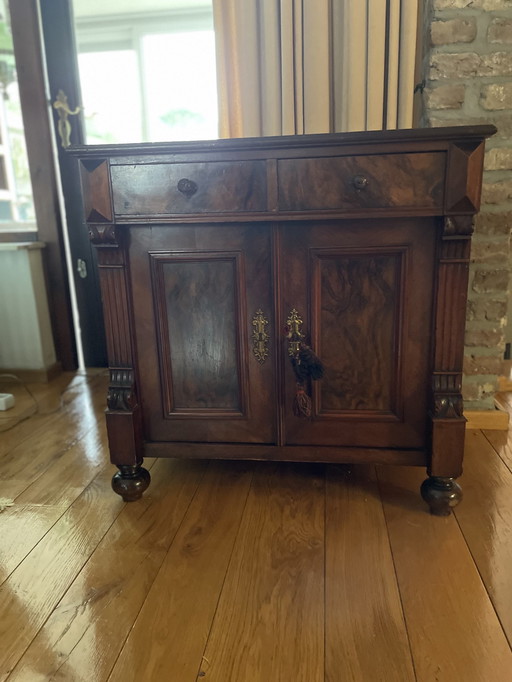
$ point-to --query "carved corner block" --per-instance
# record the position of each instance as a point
(124, 421)
(104, 235)
(458, 226)
(448, 406)
(96, 190)
(122, 396)
(447, 400)
(464, 185)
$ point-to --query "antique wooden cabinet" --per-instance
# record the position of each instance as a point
(219, 259)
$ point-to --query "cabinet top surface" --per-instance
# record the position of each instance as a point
(434, 137)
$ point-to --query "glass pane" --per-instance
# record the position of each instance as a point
(17, 207)
(180, 86)
(111, 96)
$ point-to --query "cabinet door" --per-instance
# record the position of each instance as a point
(202, 306)
(364, 292)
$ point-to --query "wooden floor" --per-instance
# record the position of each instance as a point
(242, 572)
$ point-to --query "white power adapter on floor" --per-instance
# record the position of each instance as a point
(6, 401)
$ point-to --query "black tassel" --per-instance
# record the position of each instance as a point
(307, 365)
(311, 361)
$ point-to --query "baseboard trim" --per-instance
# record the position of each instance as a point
(33, 376)
(493, 420)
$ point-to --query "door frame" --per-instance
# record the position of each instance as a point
(28, 51)
(61, 60)
(45, 52)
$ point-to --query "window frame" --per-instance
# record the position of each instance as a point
(127, 31)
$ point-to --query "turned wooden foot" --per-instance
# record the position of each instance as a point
(130, 482)
(441, 494)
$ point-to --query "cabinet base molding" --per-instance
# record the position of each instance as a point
(493, 420)
(286, 453)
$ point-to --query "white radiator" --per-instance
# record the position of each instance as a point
(26, 341)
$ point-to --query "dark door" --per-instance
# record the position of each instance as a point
(62, 70)
(362, 290)
(203, 301)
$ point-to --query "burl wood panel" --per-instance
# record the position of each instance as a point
(230, 186)
(404, 180)
(359, 314)
(199, 336)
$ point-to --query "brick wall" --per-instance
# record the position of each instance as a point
(468, 74)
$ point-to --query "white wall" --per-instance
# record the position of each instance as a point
(26, 340)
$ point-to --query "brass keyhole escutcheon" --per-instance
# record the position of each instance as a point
(260, 338)
(294, 332)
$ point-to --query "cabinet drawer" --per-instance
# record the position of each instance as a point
(184, 188)
(355, 182)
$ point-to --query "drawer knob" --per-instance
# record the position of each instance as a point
(187, 187)
(359, 181)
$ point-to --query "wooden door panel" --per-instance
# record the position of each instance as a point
(198, 297)
(364, 291)
(356, 329)
(196, 290)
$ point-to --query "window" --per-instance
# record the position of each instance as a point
(16, 203)
(148, 78)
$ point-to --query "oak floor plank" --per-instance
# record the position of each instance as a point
(35, 587)
(10, 488)
(33, 398)
(365, 628)
(68, 475)
(269, 623)
(170, 633)
(485, 518)
(21, 528)
(453, 629)
(153, 521)
(501, 441)
(64, 397)
(82, 638)
(32, 457)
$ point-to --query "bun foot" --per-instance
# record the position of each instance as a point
(441, 494)
(130, 482)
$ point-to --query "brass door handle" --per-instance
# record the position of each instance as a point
(64, 126)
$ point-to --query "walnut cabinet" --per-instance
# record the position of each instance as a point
(217, 257)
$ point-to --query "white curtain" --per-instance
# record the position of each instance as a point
(311, 66)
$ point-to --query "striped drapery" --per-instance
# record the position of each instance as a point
(312, 66)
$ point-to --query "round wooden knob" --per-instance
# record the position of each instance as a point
(187, 187)
(359, 181)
